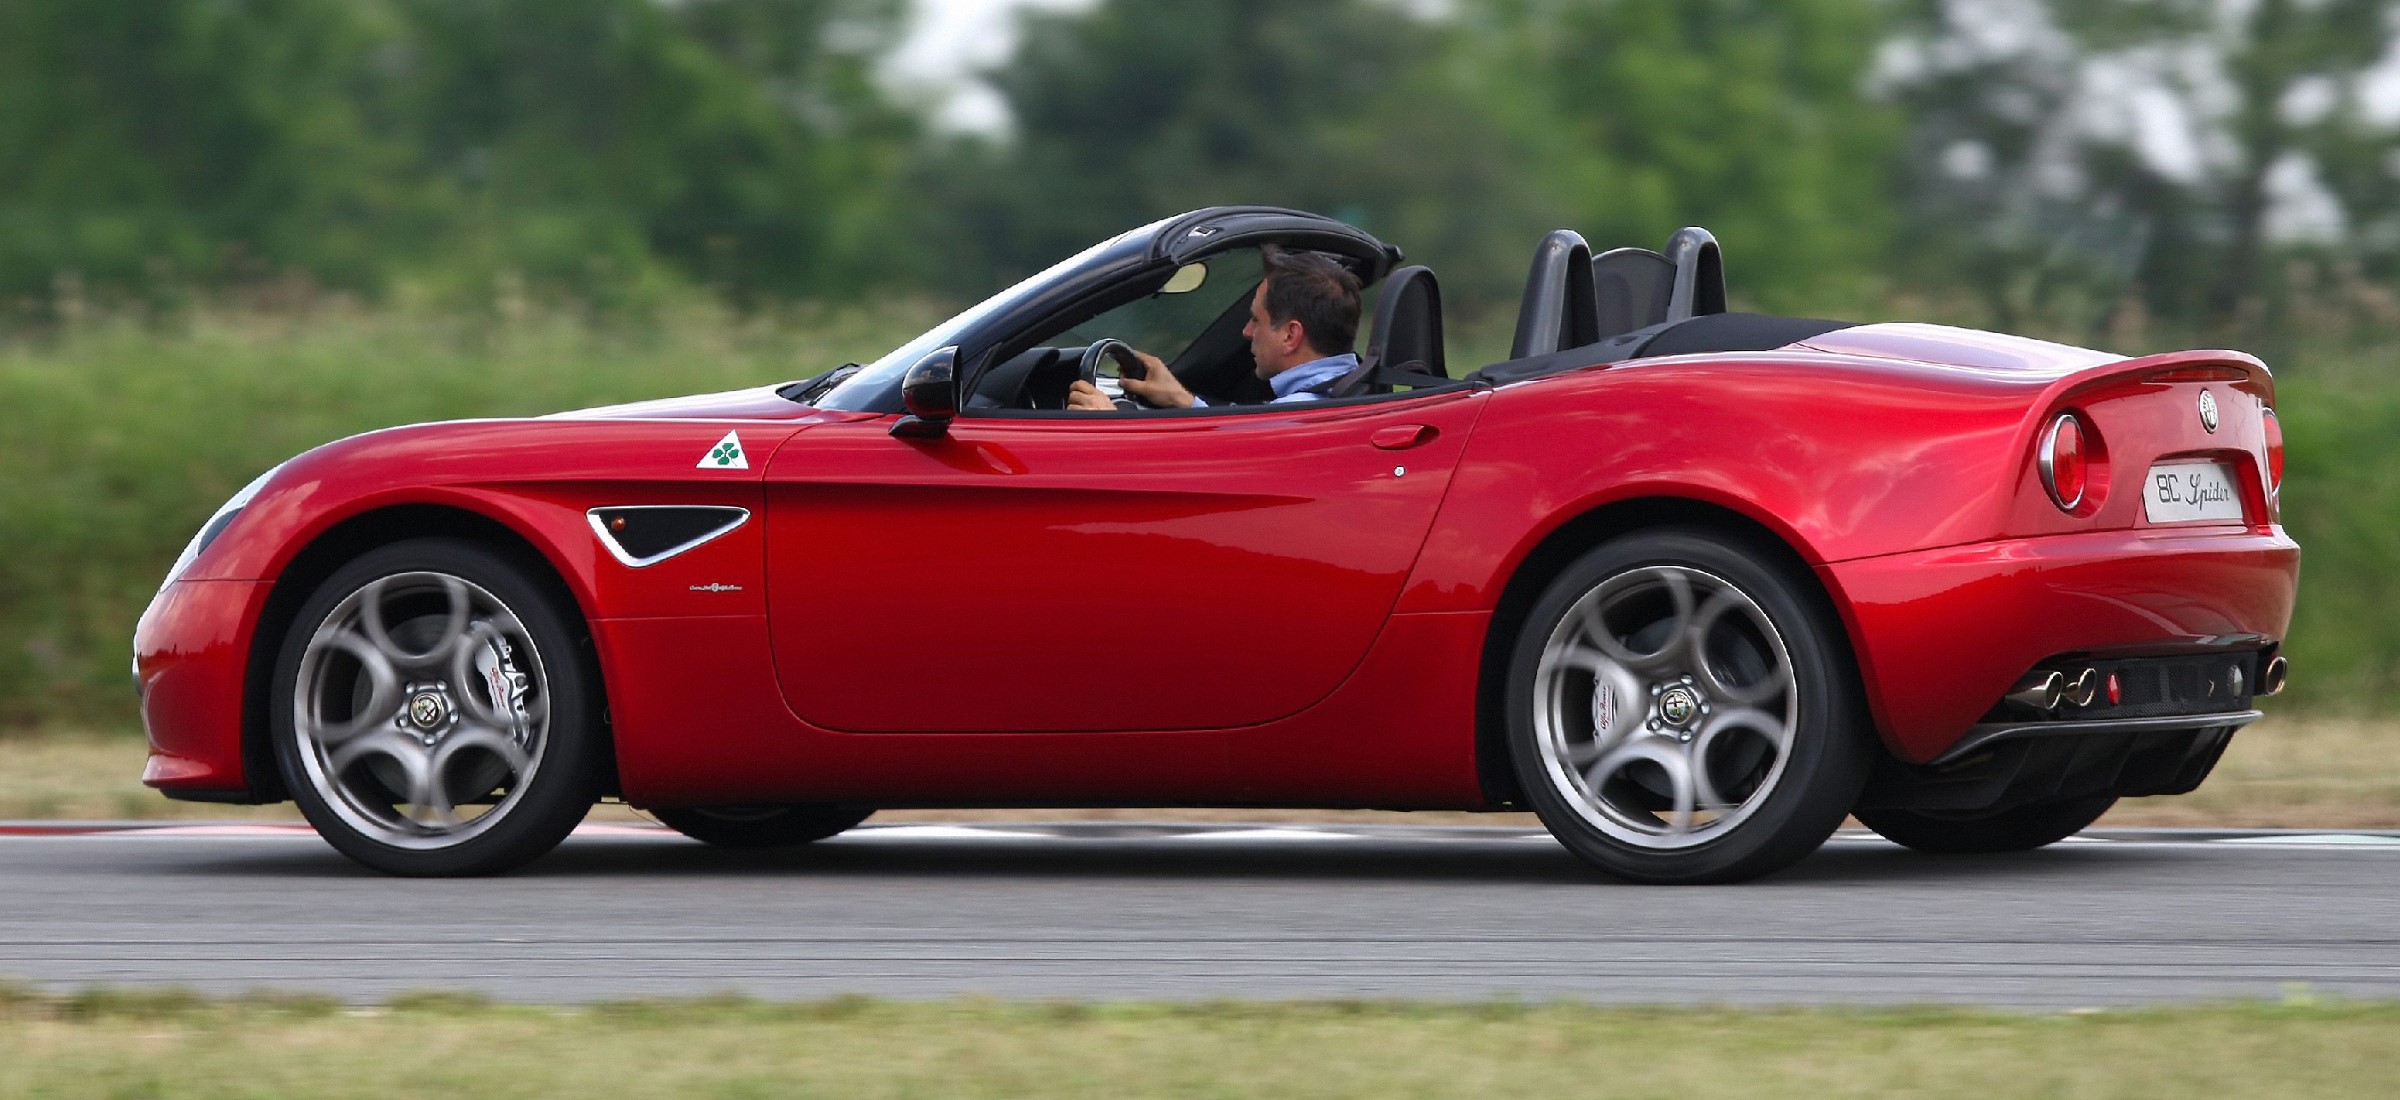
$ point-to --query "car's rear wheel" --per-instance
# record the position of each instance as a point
(2020, 829)
(1681, 709)
(433, 713)
(763, 826)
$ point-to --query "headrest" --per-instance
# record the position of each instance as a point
(1408, 323)
(1559, 310)
(1699, 274)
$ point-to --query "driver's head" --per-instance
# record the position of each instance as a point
(1305, 309)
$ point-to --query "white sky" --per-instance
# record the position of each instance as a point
(948, 46)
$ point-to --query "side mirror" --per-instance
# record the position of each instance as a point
(930, 392)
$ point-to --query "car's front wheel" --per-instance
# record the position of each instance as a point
(433, 714)
(764, 826)
(1681, 709)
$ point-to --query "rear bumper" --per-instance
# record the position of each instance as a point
(1942, 634)
(191, 654)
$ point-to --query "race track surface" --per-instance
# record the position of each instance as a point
(1182, 912)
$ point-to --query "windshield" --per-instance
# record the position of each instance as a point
(861, 390)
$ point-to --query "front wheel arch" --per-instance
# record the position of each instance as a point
(1495, 772)
(345, 541)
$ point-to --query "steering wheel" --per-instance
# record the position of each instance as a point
(1129, 365)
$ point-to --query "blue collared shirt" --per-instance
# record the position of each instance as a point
(1301, 383)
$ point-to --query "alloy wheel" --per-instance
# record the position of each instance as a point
(1664, 707)
(421, 711)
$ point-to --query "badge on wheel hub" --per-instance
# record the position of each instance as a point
(426, 710)
(1678, 705)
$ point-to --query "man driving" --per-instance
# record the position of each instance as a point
(1303, 323)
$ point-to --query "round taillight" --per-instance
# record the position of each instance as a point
(2274, 451)
(2062, 459)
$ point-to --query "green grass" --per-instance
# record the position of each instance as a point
(121, 438)
(2341, 499)
(171, 1044)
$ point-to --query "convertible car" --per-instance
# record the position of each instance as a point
(1691, 585)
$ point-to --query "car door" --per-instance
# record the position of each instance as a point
(1092, 573)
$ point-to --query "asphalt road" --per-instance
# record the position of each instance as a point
(1124, 912)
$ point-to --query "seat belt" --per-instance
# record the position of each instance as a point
(1371, 373)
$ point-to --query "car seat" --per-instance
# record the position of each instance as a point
(1406, 345)
(1638, 288)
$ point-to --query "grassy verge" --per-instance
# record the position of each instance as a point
(162, 1045)
(2282, 772)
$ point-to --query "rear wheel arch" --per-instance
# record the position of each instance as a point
(1559, 549)
(345, 541)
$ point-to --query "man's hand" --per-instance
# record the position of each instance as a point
(1085, 397)
(1157, 385)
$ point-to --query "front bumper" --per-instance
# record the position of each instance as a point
(1942, 634)
(191, 657)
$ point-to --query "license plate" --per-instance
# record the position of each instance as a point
(2189, 492)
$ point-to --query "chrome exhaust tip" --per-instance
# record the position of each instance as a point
(2082, 688)
(2270, 679)
(2039, 690)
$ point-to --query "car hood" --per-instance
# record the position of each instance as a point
(756, 403)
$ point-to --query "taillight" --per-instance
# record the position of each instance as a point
(2064, 467)
(2274, 451)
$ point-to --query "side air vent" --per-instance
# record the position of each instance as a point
(647, 534)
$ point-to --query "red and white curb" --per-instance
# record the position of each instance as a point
(2381, 841)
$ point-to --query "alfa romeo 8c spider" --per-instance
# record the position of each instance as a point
(1690, 585)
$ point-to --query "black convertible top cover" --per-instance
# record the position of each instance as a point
(1735, 332)
(1709, 332)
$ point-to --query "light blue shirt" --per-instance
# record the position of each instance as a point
(1302, 382)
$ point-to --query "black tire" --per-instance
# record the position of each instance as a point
(1798, 756)
(530, 797)
(762, 826)
(2015, 830)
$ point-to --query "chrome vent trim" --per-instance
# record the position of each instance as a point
(730, 518)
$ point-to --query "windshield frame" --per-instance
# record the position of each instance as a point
(876, 387)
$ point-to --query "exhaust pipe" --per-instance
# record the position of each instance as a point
(2270, 679)
(2083, 687)
(2040, 690)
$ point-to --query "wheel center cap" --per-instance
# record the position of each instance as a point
(1678, 705)
(427, 710)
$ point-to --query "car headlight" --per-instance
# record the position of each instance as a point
(215, 526)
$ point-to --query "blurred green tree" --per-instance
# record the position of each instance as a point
(1461, 135)
(2179, 158)
(579, 140)
(1142, 108)
(143, 142)
(1749, 117)
(596, 145)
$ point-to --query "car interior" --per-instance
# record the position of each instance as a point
(1578, 309)
(1632, 303)
(1193, 318)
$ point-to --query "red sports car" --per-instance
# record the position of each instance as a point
(1691, 585)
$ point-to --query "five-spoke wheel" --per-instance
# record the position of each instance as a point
(434, 712)
(1680, 711)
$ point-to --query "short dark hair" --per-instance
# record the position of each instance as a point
(1312, 289)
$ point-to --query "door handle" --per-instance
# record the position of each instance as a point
(1400, 437)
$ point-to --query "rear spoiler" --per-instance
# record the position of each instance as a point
(2237, 369)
